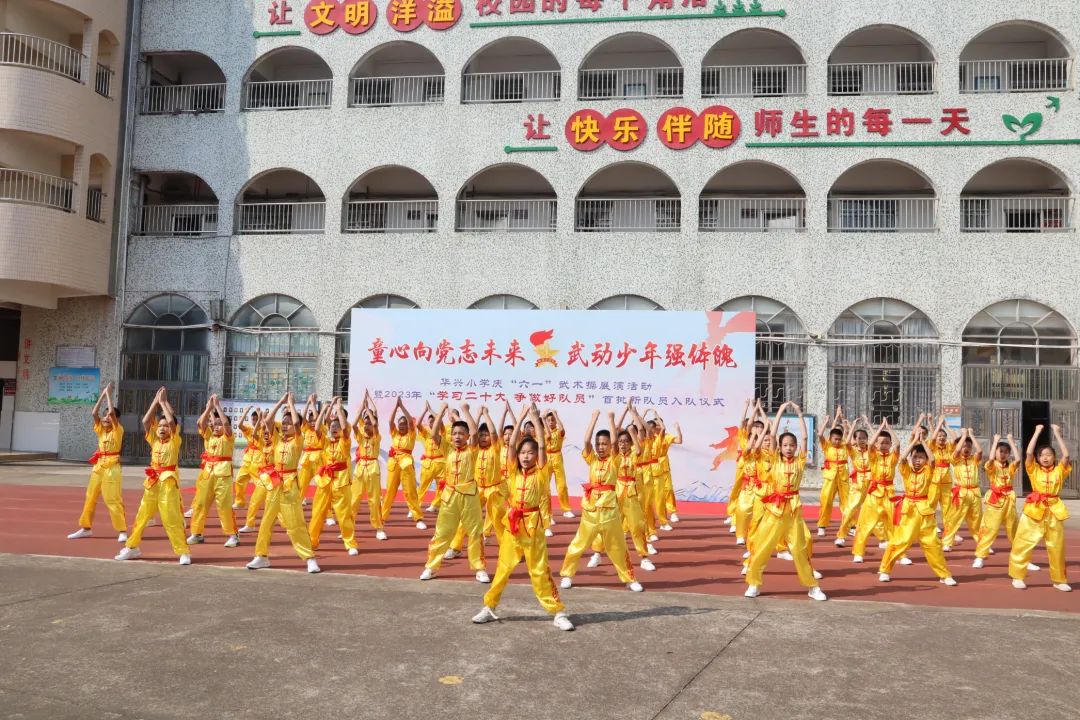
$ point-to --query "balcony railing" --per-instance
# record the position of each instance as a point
(287, 94)
(33, 188)
(506, 215)
(1009, 76)
(171, 99)
(177, 220)
(103, 81)
(1010, 382)
(631, 83)
(384, 216)
(753, 81)
(627, 214)
(280, 218)
(511, 87)
(94, 198)
(894, 78)
(882, 214)
(1016, 214)
(41, 54)
(390, 91)
(748, 214)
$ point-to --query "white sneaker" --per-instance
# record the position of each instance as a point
(839, 542)
(946, 548)
(450, 554)
(482, 577)
(354, 551)
(744, 570)
(247, 529)
(195, 539)
(303, 502)
(1019, 584)
(647, 565)
(122, 537)
(80, 533)
(1032, 567)
(258, 562)
(729, 521)
(821, 532)
(548, 533)
(785, 555)
(674, 517)
(421, 525)
(992, 551)
(740, 541)
(856, 558)
(636, 587)
(883, 577)
(190, 512)
(816, 594)
(958, 540)
(882, 545)
(128, 554)
(752, 591)
(233, 541)
(653, 538)
(185, 559)
(731, 529)
(746, 555)
(562, 621)
(432, 508)
(485, 616)
(905, 560)
(566, 583)
(938, 529)
(817, 575)
(152, 522)
(380, 534)
(330, 522)
(1063, 587)
(312, 566)
(851, 532)
(666, 527)
(950, 581)
(977, 563)
(427, 574)
(594, 560)
(236, 506)
(568, 514)
(650, 549)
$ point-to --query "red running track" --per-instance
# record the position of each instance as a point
(698, 556)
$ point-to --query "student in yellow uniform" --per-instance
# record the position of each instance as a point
(554, 436)
(628, 449)
(600, 510)
(761, 455)
(943, 446)
(489, 483)
(105, 470)
(433, 459)
(1044, 513)
(460, 499)
(334, 479)
(367, 479)
(664, 441)
(215, 474)
(655, 443)
(742, 438)
(834, 469)
(260, 444)
(646, 482)
(249, 467)
(782, 515)
(161, 489)
(280, 478)
(857, 442)
(524, 537)
(884, 456)
(965, 501)
(400, 470)
(1000, 500)
(913, 514)
(311, 458)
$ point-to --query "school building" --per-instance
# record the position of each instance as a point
(205, 209)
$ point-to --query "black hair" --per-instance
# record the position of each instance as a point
(1038, 450)
(920, 450)
(521, 446)
(757, 423)
(603, 434)
(508, 427)
(863, 432)
(624, 433)
(780, 440)
(483, 428)
(460, 424)
(836, 431)
(1003, 444)
(115, 413)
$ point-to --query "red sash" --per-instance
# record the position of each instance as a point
(589, 488)
(93, 459)
(997, 494)
(331, 469)
(956, 492)
(153, 474)
(276, 475)
(205, 458)
(516, 514)
(898, 504)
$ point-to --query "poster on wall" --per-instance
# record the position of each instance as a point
(694, 368)
(76, 356)
(74, 386)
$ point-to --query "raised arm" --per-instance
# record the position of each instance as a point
(392, 422)
(408, 418)
(960, 442)
(436, 425)
(803, 436)
(744, 422)
(775, 426)
(625, 412)
(880, 430)
(270, 417)
(678, 435)
(975, 445)
(220, 413)
(343, 422)
(1012, 446)
(166, 408)
(290, 408)
(467, 416)
(148, 418)
(915, 428)
(97, 406)
(541, 453)
(322, 418)
(634, 437)
(612, 428)
(1063, 449)
(825, 428)
(206, 413)
(849, 431)
(587, 446)
(1033, 443)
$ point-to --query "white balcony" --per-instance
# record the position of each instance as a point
(174, 99)
(176, 220)
(389, 216)
(498, 215)
(396, 91)
(26, 187)
(719, 81)
(1016, 214)
(750, 214)
(287, 94)
(103, 81)
(41, 54)
(655, 214)
(630, 83)
(94, 200)
(1015, 76)
(890, 78)
(877, 214)
(511, 87)
(280, 218)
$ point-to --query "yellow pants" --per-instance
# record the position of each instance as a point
(258, 497)
(219, 490)
(608, 526)
(557, 471)
(161, 498)
(430, 472)
(856, 497)
(830, 488)
(336, 495)
(648, 506)
(494, 505)
(669, 493)
(914, 525)
(744, 511)
(367, 483)
(400, 471)
(771, 529)
(310, 462)
(458, 509)
(1051, 532)
(736, 493)
(992, 520)
(875, 511)
(944, 497)
(284, 505)
(246, 474)
(659, 498)
(533, 548)
(633, 520)
(104, 482)
(969, 509)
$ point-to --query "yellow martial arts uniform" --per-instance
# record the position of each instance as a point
(280, 479)
(556, 468)
(781, 517)
(366, 480)
(646, 482)
(756, 485)
(492, 487)
(663, 469)
(1043, 519)
(877, 507)
(460, 506)
(311, 459)
(401, 471)
(1000, 507)
(332, 481)
(659, 491)
(161, 493)
(913, 518)
(859, 483)
(215, 474)
(965, 500)
(834, 480)
(743, 439)
(600, 517)
(629, 499)
(943, 457)
(259, 455)
(249, 467)
(524, 538)
(105, 478)
(432, 462)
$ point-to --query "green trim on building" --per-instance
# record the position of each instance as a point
(275, 33)
(529, 148)
(912, 143)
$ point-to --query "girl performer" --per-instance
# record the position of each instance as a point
(215, 474)
(105, 475)
(1044, 513)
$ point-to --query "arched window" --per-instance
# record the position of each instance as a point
(502, 302)
(344, 327)
(780, 350)
(882, 363)
(1019, 333)
(626, 302)
(273, 348)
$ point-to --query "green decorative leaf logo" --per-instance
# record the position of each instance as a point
(1026, 127)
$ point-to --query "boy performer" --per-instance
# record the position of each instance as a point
(942, 447)
(743, 438)
(249, 465)
(876, 509)
(215, 474)
(965, 500)
(333, 479)
(400, 469)
(366, 479)
(554, 435)
(1044, 513)
(105, 472)
(433, 459)
(313, 447)
(490, 483)
(260, 446)
(664, 441)
(834, 469)
(1000, 507)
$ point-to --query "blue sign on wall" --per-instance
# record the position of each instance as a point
(74, 386)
